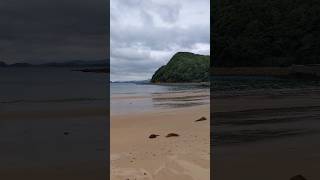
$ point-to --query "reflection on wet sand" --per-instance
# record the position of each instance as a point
(277, 128)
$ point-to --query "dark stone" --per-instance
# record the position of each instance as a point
(66, 133)
(298, 177)
(152, 136)
(201, 119)
(172, 135)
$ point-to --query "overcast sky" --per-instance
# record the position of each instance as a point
(146, 33)
(38, 31)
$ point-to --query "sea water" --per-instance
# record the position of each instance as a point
(136, 97)
(37, 88)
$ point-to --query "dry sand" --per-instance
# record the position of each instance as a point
(134, 156)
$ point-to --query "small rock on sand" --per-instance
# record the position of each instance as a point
(298, 177)
(153, 136)
(201, 119)
(172, 135)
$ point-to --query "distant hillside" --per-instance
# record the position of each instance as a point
(76, 63)
(265, 32)
(184, 67)
(3, 64)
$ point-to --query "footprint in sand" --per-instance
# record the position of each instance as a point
(130, 174)
(114, 157)
(183, 169)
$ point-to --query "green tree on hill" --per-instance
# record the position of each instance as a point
(265, 32)
(184, 67)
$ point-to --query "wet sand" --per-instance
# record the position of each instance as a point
(53, 124)
(266, 135)
(134, 156)
(54, 144)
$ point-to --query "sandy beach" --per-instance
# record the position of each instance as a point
(54, 124)
(135, 156)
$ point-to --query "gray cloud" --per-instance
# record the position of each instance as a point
(146, 33)
(53, 30)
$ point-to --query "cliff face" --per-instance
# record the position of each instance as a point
(184, 67)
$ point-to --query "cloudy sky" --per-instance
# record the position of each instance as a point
(146, 33)
(38, 31)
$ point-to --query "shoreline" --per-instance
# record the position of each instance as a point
(204, 84)
(186, 157)
(279, 129)
(166, 83)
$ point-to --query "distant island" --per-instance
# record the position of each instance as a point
(184, 67)
(96, 66)
(93, 70)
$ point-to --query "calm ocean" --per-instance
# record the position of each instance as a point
(242, 85)
(26, 88)
(140, 97)
(36, 89)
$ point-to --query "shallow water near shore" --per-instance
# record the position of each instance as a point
(249, 83)
(138, 97)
